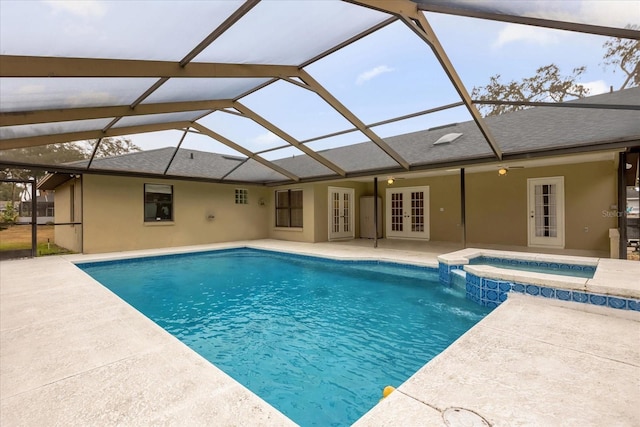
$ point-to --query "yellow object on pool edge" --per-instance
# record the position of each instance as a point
(387, 391)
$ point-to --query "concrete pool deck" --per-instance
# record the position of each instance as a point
(73, 353)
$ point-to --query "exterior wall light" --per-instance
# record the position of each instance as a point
(502, 171)
(390, 180)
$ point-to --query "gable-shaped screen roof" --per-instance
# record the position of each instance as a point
(196, 75)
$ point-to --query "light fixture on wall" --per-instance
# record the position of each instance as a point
(390, 180)
(502, 171)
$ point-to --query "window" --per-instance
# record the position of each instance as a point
(289, 208)
(158, 202)
(242, 196)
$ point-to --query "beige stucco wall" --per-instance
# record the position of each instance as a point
(444, 204)
(497, 206)
(307, 232)
(68, 236)
(316, 211)
(114, 221)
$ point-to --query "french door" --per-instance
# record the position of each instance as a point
(546, 211)
(407, 212)
(341, 213)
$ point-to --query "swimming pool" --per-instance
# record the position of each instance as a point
(317, 339)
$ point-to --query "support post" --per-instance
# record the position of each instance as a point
(622, 205)
(375, 211)
(463, 210)
(34, 219)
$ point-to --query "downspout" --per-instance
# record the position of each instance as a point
(375, 212)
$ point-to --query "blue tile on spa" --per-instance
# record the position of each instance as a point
(579, 296)
(597, 299)
(614, 302)
(490, 284)
(533, 290)
(547, 292)
(518, 287)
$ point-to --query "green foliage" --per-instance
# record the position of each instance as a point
(116, 147)
(51, 249)
(7, 190)
(10, 214)
(547, 85)
(53, 154)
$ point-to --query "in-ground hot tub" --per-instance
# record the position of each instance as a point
(488, 277)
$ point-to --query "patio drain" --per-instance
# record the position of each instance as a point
(460, 417)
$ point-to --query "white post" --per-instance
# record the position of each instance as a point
(614, 245)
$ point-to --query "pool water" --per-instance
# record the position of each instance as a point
(317, 339)
(574, 270)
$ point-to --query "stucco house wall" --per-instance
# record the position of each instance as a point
(69, 210)
(114, 214)
(113, 217)
(308, 231)
(497, 206)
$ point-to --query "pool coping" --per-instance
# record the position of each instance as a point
(265, 415)
(610, 277)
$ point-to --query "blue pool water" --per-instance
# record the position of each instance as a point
(317, 339)
(584, 271)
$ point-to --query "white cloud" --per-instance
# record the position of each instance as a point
(596, 87)
(522, 33)
(30, 89)
(83, 8)
(615, 13)
(85, 98)
(266, 138)
(374, 72)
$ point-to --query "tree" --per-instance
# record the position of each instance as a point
(549, 85)
(116, 147)
(625, 55)
(546, 85)
(58, 153)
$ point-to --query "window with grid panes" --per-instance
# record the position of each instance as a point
(289, 208)
(242, 196)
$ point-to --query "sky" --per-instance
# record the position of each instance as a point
(388, 74)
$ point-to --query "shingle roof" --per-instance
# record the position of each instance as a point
(188, 163)
(532, 130)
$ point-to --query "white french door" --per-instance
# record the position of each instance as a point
(408, 212)
(546, 211)
(341, 213)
